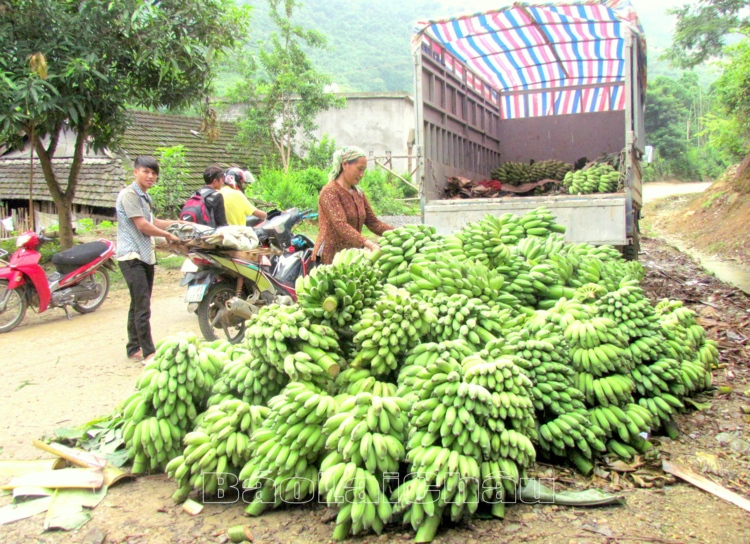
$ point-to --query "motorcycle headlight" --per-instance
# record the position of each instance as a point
(23, 240)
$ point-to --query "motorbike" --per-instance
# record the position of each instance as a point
(80, 279)
(224, 290)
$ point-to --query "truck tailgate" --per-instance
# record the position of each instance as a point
(597, 219)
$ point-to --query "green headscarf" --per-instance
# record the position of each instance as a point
(345, 154)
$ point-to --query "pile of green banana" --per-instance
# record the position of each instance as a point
(285, 337)
(249, 379)
(598, 178)
(426, 355)
(435, 273)
(335, 294)
(283, 453)
(397, 249)
(366, 440)
(353, 381)
(171, 391)
(388, 330)
(462, 318)
(482, 241)
(518, 173)
(543, 356)
(218, 446)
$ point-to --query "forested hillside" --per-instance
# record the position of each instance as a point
(368, 42)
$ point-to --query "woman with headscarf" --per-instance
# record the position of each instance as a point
(343, 208)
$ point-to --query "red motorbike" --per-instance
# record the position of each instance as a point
(80, 279)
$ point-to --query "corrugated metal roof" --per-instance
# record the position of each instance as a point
(538, 47)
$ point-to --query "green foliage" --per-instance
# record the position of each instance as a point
(167, 194)
(732, 87)
(108, 224)
(97, 59)
(281, 88)
(383, 191)
(319, 153)
(295, 188)
(675, 114)
(47, 249)
(702, 29)
(85, 224)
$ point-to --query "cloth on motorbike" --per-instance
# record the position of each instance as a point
(189, 231)
(233, 237)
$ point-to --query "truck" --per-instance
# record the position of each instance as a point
(528, 83)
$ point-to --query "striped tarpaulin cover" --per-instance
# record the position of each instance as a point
(540, 48)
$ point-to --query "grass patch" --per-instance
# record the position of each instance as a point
(170, 261)
(711, 198)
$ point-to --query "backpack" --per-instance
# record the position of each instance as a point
(195, 209)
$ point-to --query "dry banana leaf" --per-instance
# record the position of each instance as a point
(81, 478)
(12, 469)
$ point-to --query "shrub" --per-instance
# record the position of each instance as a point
(167, 195)
(320, 153)
(384, 191)
(293, 189)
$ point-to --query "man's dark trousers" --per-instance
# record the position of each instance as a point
(140, 279)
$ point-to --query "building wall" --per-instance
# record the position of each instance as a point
(376, 122)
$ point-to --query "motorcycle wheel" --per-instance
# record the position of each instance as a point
(101, 279)
(15, 309)
(214, 300)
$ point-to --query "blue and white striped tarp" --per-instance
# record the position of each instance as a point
(529, 52)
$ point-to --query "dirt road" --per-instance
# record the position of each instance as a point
(78, 365)
(652, 191)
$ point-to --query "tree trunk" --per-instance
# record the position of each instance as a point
(63, 199)
(65, 218)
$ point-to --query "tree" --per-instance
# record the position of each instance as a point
(702, 28)
(282, 90)
(101, 57)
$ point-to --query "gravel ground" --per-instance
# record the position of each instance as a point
(401, 220)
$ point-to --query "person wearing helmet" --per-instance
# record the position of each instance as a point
(236, 204)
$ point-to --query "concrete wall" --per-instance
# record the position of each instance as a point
(376, 122)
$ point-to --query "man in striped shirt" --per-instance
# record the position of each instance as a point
(136, 227)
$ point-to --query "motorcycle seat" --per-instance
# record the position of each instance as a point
(75, 257)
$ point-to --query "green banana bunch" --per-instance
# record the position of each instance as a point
(443, 273)
(388, 330)
(217, 446)
(360, 380)
(425, 355)
(540, 222)
(248, 379)
(285, 337)
(625, 423)
(170, 391)
(368, 431)
(151, 442)
(596, 178)
(573, 435)
(549, 169)
(511, 420)
(467, 319)
(397, 249)
(363, 503)
(482, 241)
(283, 452)
(543, 356)
(335, 294)
(181, 374)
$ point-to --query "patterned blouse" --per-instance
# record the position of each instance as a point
(342, 213)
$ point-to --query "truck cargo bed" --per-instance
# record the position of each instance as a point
(596, 219)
